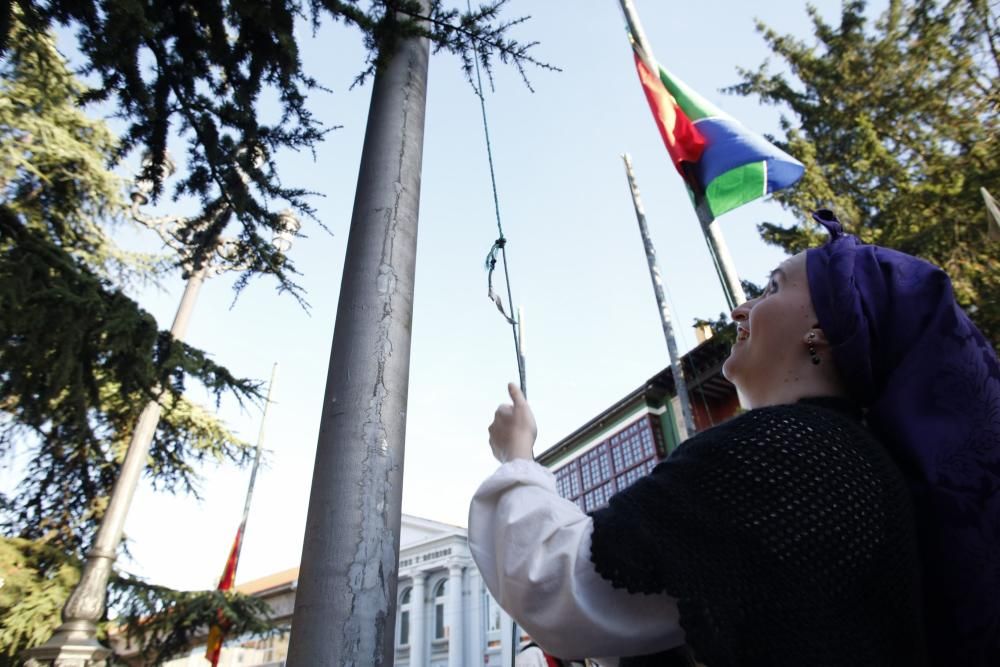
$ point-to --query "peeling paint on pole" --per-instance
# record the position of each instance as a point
(687, 428)
(346, 597)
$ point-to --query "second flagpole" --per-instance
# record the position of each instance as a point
(676, 367)
(257, 455)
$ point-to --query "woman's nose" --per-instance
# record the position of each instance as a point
(742, 311)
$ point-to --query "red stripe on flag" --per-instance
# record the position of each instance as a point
(229, 574)
(683, 140)
(217, 633)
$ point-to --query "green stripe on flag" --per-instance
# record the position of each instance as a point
(737, 187)
(691, 103)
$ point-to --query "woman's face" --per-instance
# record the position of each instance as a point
(771, 351)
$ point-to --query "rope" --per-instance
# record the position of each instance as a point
(499, 246)
(491, 264)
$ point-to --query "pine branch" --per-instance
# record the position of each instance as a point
(897, 123)
(164, 622)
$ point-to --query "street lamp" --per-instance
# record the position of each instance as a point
(74, 643)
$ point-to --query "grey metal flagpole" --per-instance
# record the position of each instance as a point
(345, 606)
(256, 464)
(523, 378)
(676, 368)
(723, 261)
(724, 265)
(522, 359)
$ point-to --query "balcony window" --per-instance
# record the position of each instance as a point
(613, 465)
(404, 617)
(439, 596)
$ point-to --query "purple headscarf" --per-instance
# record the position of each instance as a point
(930, 384)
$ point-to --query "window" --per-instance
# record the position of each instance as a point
(626, 480)
(595, 467)
(613, 465)
(568, 480)
(439, 594)
(404, 617)
(598, 497)
(492, 614)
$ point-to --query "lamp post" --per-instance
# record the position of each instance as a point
(74, 643)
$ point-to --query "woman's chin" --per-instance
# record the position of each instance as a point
(730, 368)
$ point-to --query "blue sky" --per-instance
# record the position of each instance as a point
(576, 262)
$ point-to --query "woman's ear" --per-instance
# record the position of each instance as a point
(815, 337)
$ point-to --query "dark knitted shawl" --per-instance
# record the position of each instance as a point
(930, 385)
(786, 536)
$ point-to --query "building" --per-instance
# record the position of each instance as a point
(445, 616)
(623, 443)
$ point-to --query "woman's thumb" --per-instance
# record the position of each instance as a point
(515, 393)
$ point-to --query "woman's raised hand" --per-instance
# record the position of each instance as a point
(513, 431)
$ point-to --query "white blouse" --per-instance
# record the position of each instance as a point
(533, 549)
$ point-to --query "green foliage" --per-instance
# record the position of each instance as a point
(199, 69)
(165, 622)
(36, 582)
(53, 161)
(897, 124)
(79, 359)
(723, 329)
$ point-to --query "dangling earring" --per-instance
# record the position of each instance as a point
(812, 347)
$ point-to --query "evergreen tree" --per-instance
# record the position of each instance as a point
(79, 359)
(78, 356)
(199, 69)
(897, 123)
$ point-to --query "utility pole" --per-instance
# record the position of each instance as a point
(676, 368)
(74, 643)
(345, 606)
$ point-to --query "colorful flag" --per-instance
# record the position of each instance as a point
(217, 633)
(722, 162)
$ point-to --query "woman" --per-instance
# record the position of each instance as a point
(792, 534)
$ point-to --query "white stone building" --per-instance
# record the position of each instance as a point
(445, 616)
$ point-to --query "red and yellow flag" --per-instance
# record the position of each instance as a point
(217, 633)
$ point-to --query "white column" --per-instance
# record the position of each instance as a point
(418, 605)
(454, 615)
(476, 645)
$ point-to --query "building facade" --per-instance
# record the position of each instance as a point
(625, 441)
(445, 617)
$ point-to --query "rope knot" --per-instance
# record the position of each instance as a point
(491, 265)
